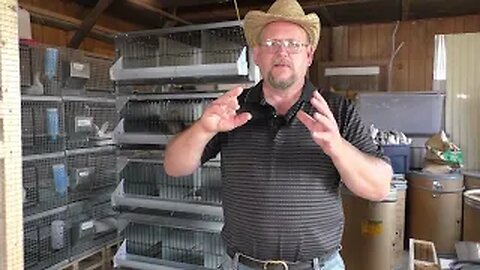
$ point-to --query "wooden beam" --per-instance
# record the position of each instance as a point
(328, 17)
(405, 10)
(88, 23)
(228, 13)
(11, 199)
(147, 6)
(47, 17)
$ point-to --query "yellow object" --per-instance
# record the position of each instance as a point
(372, 227)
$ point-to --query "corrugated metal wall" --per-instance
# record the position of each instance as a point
(463, 95)
(11, 229)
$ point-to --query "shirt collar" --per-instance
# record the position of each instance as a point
(255, 95)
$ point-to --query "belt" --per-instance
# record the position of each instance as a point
(279, 264)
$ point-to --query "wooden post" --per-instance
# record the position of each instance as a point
(11, 192)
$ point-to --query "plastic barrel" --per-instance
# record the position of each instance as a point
(369, 231)
(400, 184)
(471, 215)
(472, 179)
(435, 209)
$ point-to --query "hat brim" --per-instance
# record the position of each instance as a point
(255, 21)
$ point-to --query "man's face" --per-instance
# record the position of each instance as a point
(283, 55)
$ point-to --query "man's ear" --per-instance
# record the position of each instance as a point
(310, 54)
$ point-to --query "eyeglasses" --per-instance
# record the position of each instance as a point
(291, 45)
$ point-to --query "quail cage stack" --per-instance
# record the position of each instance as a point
(93, 224)
(69, 158)
(164, 80)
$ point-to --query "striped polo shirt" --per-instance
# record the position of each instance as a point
(280, 191)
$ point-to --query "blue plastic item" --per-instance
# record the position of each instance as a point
(399, 156)
(60, 179)
(52, 123)
(50, 63)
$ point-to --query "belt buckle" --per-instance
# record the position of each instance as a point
(273, 263)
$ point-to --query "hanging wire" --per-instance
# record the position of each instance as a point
(236, 10)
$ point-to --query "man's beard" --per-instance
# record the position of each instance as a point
(281, 84)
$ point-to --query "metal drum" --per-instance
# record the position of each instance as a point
(400, 184)
(472, 180)
(369, 231)
(435, 209)
(471, 215)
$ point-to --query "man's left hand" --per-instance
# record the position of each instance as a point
(323, 126)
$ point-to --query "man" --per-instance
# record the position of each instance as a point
(284, 148)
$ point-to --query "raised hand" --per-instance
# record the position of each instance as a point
(221, 115)
(323, 126)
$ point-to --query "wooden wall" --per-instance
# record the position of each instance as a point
(58, 37)
(372, 43)
(70, 10)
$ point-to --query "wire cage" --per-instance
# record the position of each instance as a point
(44, 183)
(162, 116)
(91, 171)
(93, 223)
(46, 241)
(191, 54)
(43, 129)
(89, 123)
(75, 72)
(50, 70)
(207, 44)
(40, 69)
(175, 244)
(146, 178)
(99, 83)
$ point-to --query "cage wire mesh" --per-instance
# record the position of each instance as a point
(99, 83)
(162, 116)
(50, 70)
(44, 184)
(175, 244)
(150, 179)
(89, 123)
(177, 48)
(46, 241)
(92, 225)
(91, 173)
(43, 129)
(40, 69)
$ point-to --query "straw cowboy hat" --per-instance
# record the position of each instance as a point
(281, 10)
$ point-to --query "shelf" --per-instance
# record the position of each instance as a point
(142, 138)
(119, 198)
(237, 68)
(123, 259)
(352, 71)
(172, 222)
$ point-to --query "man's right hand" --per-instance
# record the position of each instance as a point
(221, 115)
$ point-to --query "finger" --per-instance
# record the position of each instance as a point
(231, 103)
(235, 92)
(324, 123)
(306, 119)
(241, 119)
(321, 105)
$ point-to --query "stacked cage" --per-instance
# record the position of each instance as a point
(46, 240)
(165, 79)
(68, 117)
(180, 245)
(89, 122)
(92, 224)
(92, 172)
(44, 183)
